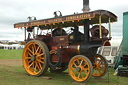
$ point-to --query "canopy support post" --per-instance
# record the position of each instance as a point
(61, 30)
(100, 27)
(109, 28)
(33, 33)
(24, 33)
(51, 30)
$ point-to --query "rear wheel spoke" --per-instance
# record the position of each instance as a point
(40, 55)
(29, 61)
(40, 61)
(35, 69)
(37, 66)
(40, 66)
(30, 51)
(30, 65)
(33, 64)
(42, 58)
(37, 49)
(26, 58)
(29, 54)
(33, 49)
(34, 46)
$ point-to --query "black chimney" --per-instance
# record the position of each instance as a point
(86, 6)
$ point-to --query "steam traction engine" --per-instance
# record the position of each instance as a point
(60, 50)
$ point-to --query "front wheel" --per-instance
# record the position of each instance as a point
(80, 68)
(100, 66)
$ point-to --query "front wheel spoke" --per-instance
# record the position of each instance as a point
(85, 68)
(84, 65)
(85, 73)
(96, 71)
(81, 63)
(75, 73)
(78, 61)
(73, 68)
(99, 70)
(75, 64)
(79, 75)
(99, 61)
(96, 60)
(102, 64)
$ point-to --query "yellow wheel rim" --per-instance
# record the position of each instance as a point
(33, 58)
(79, 69)
(100, 66)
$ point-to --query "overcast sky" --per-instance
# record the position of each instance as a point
(13, 11)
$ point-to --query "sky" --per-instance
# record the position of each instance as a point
(13, 11)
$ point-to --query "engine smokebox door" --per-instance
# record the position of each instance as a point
(61, 40)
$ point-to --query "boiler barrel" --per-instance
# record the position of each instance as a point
(82, 48)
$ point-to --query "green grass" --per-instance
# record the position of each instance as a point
(16, 75)
(11, 54)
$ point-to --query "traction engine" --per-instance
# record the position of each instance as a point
(75, 50)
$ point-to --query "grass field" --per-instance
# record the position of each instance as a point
(11, 54)
(16, 75)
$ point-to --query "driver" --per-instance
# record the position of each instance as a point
(57, 32)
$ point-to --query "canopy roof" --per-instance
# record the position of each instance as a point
(69, 20)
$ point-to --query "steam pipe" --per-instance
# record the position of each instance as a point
(86, 30)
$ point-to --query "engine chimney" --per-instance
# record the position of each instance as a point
(86, 6)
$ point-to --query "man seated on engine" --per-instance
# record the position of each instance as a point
(59, 32)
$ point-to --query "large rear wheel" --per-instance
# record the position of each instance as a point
(80, 68)
(35, 58)
(100, 66)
